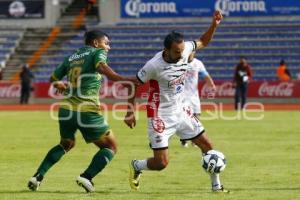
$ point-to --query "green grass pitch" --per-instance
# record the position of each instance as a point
(263, 160)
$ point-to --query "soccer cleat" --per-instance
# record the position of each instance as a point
(184, 144)
(134, 176)
(35, 182)
(87, 184)
(221, 190)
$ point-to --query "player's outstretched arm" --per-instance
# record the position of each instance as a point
(208, 35)
(106, 70)
(210, 82)
(130, 117)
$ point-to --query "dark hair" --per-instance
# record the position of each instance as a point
(282, 62)
(173, 37)
(91, 35)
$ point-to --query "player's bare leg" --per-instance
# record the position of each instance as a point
(204, 143)
(52, 157)
(108, 148)
(158, 162)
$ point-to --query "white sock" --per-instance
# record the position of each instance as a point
(215, 181)
(141, 165)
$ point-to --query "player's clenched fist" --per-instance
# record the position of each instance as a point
(217, 17)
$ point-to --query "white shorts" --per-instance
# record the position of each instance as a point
(194, 104)
(185, 125)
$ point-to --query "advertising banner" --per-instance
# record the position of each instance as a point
(10, 90)
(202, 8)
(256, 89)
(25, 9)
(225, 89)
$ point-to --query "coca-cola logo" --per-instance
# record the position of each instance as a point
(225, 89)
(10, 91)
(283, 89)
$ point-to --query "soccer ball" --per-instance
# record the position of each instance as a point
(214, 162)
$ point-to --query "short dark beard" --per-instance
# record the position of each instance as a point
(168, 59)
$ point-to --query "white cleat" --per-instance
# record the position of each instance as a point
(33, 184)
(184, 144)
(85, 183)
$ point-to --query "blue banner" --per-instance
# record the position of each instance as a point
(204, 8)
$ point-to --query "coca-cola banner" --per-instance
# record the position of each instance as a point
(256, 89)
(225, 89)
(274, 89)
(10, 90)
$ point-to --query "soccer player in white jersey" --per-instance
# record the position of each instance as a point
(166, 72)
(192, 98)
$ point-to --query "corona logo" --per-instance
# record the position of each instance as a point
(230, 6)
(136, 7)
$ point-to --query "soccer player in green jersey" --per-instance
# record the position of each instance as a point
(80, 108)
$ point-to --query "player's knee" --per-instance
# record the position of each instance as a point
(67, 144)
(114, 148)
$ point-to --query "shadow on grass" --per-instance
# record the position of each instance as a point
(123, 192)
(103, 192)
(265, 189)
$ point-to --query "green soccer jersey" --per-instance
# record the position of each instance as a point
(83, 77)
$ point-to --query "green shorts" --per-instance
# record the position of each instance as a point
(91, 125)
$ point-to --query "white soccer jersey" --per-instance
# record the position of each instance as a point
(191, 84)
(166, 83)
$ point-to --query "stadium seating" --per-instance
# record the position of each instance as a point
(9, 40)
(264, 43)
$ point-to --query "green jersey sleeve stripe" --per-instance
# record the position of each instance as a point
(97, 64)
(54, 77)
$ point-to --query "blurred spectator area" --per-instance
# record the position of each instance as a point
(264, 43)
(10, 38)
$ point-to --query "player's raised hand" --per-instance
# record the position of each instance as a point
(130, 119)
(217, 17)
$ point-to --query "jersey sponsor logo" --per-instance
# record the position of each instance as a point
(78, 56)
(135, 8)
(230, 6)
(177, 81)
(179, 89)
(158, 125)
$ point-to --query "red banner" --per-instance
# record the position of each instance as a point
(256, 89)
(10, 90)
(265, 89)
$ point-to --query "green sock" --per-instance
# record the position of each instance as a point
(100, 160)
(51, 158)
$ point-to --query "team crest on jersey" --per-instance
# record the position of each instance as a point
(158, 125)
